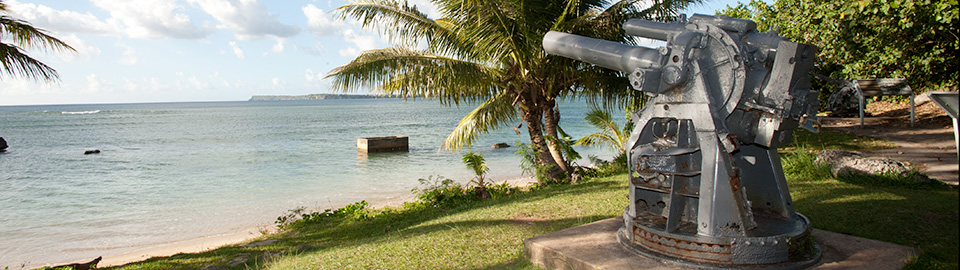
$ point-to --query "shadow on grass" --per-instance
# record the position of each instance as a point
(890, 208)
(835, 139)
(921, 215)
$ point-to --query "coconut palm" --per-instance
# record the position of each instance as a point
(490, 51)
(610, 135)
(18, 35)
(476, 163)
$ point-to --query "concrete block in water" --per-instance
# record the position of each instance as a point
(383, 144)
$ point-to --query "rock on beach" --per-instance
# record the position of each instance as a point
(845, 162)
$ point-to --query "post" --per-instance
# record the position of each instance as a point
(913, 110)
(862, 101)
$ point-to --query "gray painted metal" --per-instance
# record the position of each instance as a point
(706, 183)
(884, 87)
(950, 103)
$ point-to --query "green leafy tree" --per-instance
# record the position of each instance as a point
(490, 52)
(16, 36)
(476, 163)
(913, 39)
(611, 135)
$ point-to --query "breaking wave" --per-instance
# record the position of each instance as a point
(81, 112)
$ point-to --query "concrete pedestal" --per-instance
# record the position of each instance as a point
(595, 246)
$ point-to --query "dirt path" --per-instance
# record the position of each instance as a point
(929, 145)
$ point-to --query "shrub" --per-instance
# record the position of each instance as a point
(297, 217)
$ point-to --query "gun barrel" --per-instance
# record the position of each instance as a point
(600, 52)
(652, 29)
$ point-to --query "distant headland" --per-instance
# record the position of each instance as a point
(314, 97)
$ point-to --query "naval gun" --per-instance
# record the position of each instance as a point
(706, 185)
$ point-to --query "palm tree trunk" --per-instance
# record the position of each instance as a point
(551, 118)
(532, 116)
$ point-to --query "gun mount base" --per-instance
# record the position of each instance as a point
(793, 249)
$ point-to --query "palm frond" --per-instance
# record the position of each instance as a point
(609, 136)
(403, 24)
(412, 74)
(476, 163)
(598, 140)
(495, 112)
(17, 63)
(26, 36)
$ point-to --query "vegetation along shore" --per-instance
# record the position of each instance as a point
(449, 226)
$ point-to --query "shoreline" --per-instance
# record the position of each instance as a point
(248, 233)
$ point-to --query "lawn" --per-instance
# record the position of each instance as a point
(489, 234)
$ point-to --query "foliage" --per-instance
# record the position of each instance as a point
(605, 168)
(491, 51)
(610, 135)
(527, 156)
(565, 143)
(912, 39)
(23, 36)
(297, 217)
(529, 166)
(437, 191)
(476, 163)
(440, 192)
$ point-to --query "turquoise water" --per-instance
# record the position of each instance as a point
(176, 171)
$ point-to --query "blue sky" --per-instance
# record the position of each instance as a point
(193, 50)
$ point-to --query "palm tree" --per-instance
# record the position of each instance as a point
(24, 36)
(610, 134)
(490, 51)
(476, 163)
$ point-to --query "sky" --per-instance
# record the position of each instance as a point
(194, 50)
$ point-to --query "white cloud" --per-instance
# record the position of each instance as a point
(21, 87)
(278, 83)
(96, 85)
(247, 19)
(318, 49)
(63, 21)
(153, 19)
(197, 83)
(237, 50)
(157, 85)
(84, 49)
(362, 43)
(349, 52)
(129, 55)
(320, 23)
(311, 76)
(278, 47)
(130, 85)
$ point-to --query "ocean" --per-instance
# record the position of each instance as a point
(170, 172)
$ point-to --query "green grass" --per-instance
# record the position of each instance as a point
(833, 139)
(489, 234)
(888, 208)
(477, 235)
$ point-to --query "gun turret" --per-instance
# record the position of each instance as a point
(705, 176)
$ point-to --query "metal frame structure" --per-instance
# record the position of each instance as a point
(948, 102)
(884, 87)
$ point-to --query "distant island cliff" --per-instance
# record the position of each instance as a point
(313, 97)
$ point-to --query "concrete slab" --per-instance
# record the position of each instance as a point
(595, 246)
